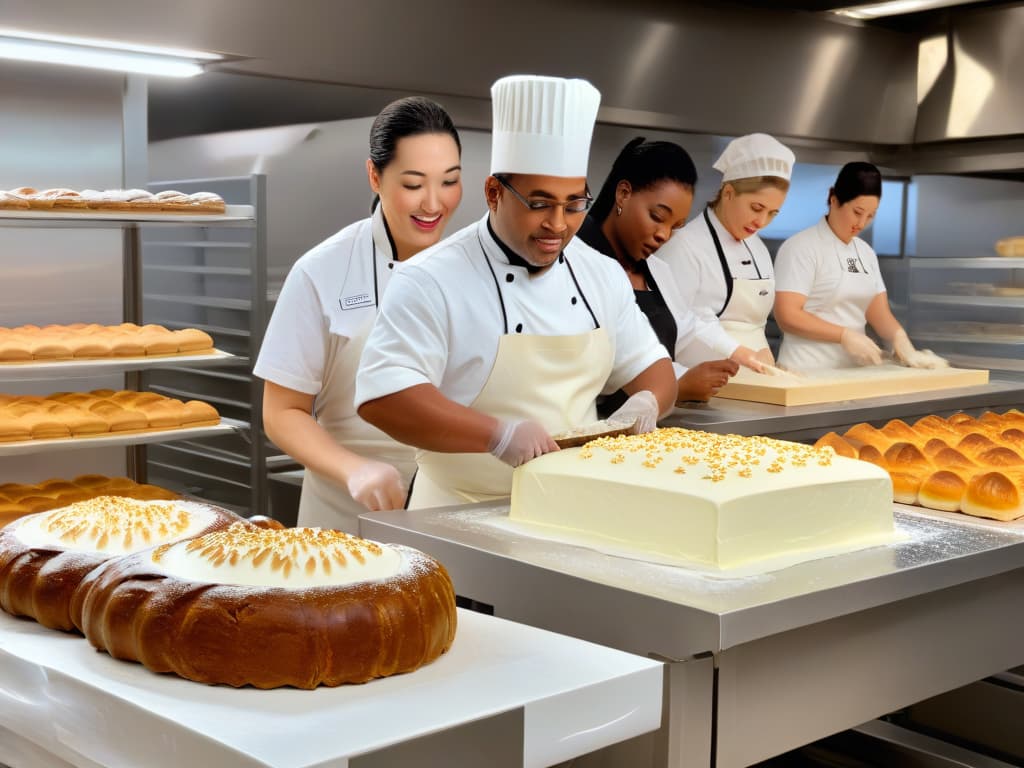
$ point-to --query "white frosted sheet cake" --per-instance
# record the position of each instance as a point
(722, 501)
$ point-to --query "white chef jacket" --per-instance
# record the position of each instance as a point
(817, 264)
(691, 256)
(330, 297)
(689, 327)
(442, 316)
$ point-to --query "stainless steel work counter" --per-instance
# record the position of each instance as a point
(804, 422)
(765, 662)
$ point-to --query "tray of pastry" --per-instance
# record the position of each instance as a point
(577, 436)
(32, 352)
(117, 205)
(29, 423)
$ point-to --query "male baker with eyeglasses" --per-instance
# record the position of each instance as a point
(506, 333)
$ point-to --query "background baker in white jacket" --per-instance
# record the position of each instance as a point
(829, 285)
(719, 263)
(327, 306)
(645, 198)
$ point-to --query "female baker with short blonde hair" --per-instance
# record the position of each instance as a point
(327, 306)
(723, 270)
(829, 286)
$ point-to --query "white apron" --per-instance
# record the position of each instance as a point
(324, 503)
(747, 301)
(553, 380)
(846, 306)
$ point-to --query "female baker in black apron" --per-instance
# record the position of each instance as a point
(646, 197)
(720, 265)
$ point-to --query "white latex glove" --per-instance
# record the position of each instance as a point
(915, 358)
(748, 358)
(377, 486)
(643, 406)
(858, 346)
(516, 442)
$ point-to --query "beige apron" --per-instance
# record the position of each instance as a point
(748, 302)
(553, 380)
(324, 503)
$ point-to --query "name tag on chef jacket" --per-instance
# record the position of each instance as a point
(356, 300)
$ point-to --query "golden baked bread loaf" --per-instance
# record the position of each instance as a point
(295, 607)
(966, 464)
(44, 556)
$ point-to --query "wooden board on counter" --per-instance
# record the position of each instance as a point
(845, 384)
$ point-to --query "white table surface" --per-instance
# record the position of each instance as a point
(85, 709)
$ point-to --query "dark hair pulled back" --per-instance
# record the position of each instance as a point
(411, 116)
(856, 179)
(644, 164)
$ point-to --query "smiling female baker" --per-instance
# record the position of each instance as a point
(645, 198)
(327, 306)
(722, 268)
(829, 285)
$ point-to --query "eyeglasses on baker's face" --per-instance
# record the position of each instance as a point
(538, 204)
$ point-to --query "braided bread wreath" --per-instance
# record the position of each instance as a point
(44, 556)
(271, 607)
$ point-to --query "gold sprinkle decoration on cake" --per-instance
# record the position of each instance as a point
(305, 551)
(104, 520)
(721, 457)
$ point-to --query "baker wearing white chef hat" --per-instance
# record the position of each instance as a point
(722, 268)
(507, 332)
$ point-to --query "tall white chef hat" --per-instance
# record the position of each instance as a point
(756, 154)
(542, 125)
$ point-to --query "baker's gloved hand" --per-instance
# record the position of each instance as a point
(377, 486)
(858, 346)
(915, 358)
(516, 442)
(748, 358)
(643, 406)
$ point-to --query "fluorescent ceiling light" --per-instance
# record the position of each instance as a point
(102, 54)
(896, 7)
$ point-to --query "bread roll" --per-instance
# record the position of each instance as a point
(268, 608)
(900, 431)
(974, 443)
(934, 446)
(906, 457)
(1000, 456)
(868, 435)
(873, 455)
(942, 490)
(905, 486)
(838, 444)
(994, 495)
